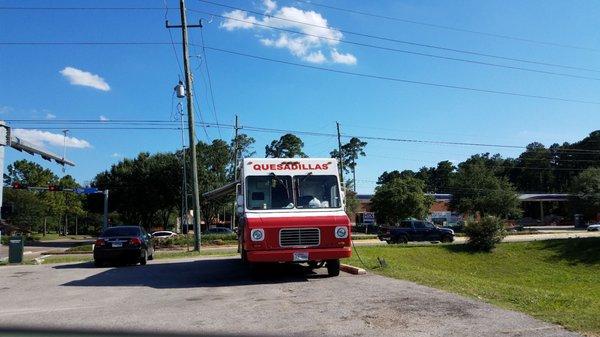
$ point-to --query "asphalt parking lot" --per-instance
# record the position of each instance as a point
(219, 295)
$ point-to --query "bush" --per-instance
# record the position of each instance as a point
(483, 235)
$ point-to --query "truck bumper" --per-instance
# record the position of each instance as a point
(287, 255)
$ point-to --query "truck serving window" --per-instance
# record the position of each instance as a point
(269, 192)
(313, 191)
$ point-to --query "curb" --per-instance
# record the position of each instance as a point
(352, 269)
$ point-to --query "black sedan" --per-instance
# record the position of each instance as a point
(123, 244)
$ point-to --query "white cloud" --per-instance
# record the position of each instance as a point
(270, 6)
(237, 20)
(50, 116)
(342, 58)
(116, 155)
(315, 57)
(84, 78)
(44, 138)
(307, 47)
(103, 118)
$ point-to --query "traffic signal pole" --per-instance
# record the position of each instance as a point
(191, 125)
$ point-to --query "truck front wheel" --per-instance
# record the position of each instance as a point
(333, 267)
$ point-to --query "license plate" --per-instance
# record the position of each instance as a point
(300, 256)
(117, 244)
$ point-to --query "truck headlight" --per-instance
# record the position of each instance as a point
(257, 234)
(341, 232)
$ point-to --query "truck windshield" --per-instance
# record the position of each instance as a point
(269, 192)
(317, 191)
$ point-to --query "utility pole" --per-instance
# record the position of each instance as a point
(105, 217)
(341, 159)
(191, 126)
(64, 147)
(235, 161)
(184, 189)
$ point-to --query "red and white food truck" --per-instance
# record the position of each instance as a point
(292, 210)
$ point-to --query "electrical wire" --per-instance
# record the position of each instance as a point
(254, 23)
(210, 86)
(396, 79)
(427, 24)
(365, 75)
(347, 32)
(62, 123)
(389, 39)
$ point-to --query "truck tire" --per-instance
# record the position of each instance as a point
(244, 256)
(333, 267)
(403, 239)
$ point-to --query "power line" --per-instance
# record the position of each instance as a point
(172, 41)
(401, 80)
(433, 25)
(372, 76)
(212, 96)
(389, 39)
(402, 50)
(140, 123)
(343, 31)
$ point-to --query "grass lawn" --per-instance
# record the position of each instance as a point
(556, 280)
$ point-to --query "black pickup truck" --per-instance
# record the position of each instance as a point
(415, 230)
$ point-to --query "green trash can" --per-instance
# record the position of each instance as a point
(16, 245)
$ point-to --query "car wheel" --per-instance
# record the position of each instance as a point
(333, 267)
(98, 263)
(447, 238)
(403, 239)
(144, 258)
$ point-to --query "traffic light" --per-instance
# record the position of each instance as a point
(18, 186)
(54, 188)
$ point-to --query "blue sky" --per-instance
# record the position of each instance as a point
(136, 81)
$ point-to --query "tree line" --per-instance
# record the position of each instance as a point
(147, 189)
(488, 184)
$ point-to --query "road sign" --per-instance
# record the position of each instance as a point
(86, 190)
(368, 217)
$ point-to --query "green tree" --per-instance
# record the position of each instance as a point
(533, 169)
(288, 146)
(399, 199)
(144, 190)
(476, 188)
(586, 192)
(350, 153)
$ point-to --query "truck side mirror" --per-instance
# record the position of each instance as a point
(239, 201)
(240, 210)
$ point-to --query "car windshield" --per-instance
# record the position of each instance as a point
(317, 191)
(121, 231)
(269, 192)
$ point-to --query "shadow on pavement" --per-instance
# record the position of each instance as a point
(190, 274)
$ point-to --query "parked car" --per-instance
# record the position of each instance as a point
(218, 230)
(415, 230)
(123, 244)
(163, 234)
(594, 227)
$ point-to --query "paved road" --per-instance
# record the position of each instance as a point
(219, 295)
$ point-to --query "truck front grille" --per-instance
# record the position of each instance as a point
(299, 237)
